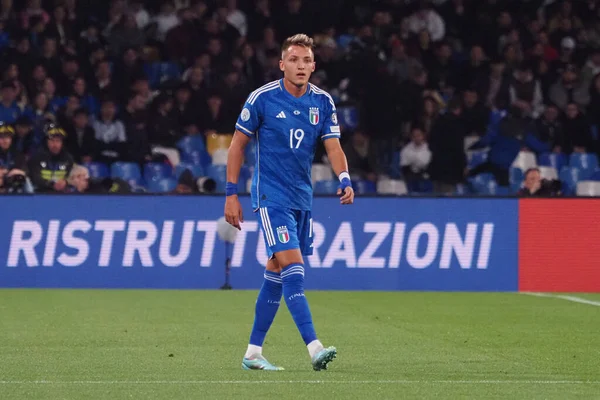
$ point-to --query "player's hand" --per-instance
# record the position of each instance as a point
(348, 195)
(233, 211)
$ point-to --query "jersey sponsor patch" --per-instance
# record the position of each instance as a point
(334, 129)
(245, 114)
(283, 235)
(313, 115)
(334, 118)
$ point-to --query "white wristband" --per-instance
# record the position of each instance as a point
(343, 175)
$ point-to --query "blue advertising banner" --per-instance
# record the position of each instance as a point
(171, 242)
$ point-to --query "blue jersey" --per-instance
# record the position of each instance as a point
(286, 130)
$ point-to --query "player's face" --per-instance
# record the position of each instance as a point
(297, 64)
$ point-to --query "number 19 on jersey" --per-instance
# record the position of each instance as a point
(297, 135)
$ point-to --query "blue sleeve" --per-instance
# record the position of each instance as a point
(249, 120)
(331, 129)
(535, 144)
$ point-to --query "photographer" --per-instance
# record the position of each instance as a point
(51, 165)
(535, 186)
(12, 164)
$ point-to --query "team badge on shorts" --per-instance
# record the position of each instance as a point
(283, 234)
(313, 115)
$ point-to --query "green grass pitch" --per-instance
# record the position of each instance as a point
(109, 344)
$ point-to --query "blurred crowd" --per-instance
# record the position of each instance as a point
(106, 82)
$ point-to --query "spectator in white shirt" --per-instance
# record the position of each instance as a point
(110, 133)
(426, 18)
(142, 18)
(415, 158)
(166, 20)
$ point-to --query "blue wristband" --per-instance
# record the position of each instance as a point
(231, 189)
(345, 181)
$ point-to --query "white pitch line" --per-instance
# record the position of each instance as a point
(393, 382)
(565, 297)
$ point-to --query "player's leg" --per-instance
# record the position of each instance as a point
(267, 304)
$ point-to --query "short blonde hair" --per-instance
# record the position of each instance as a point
(77, 170)
(299, 39)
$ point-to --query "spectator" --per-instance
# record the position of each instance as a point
(591, 68)
(81, 141)
(163, 129)
(400, 63)
(126, 35)
(259, 19)
(134, 118)
(446, 143)
(186, 183)
(568, 89)
(50, 58)
(429, 114)
(104, 83)
(578, 135)
(550, 129)
(526, 92)
(426, 18)
(110, 134)
(39, 114)
(10, 157)
(142, 17)
(475, 114)
(594, 106)
(86, 99)
(535, 186)
(166, 20)
(183, 110)
(50, 167)
(362, 157)
(414, 160)
(9, 111)
(24, 141)
(215, 116)
(59, 27)
(70, 72)
(78, 180)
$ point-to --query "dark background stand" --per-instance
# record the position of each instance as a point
(226, 285)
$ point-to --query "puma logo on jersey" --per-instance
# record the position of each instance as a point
(281, 115)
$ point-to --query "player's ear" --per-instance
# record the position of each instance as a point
(314, 65)
(281, 67)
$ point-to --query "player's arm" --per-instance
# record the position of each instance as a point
(339, 163)
(245, 128)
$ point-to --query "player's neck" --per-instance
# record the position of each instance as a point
(296, 91)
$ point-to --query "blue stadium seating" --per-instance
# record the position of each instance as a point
(348, 117)
(97, 170)
(364, 187)
(596, 175)
(483, 183)
(156, 171)
(326, 187)
(198, 157)
(556, 160)
(569, 177)
(219, 174)
(160, 71)
(127, 171)
(187, 144)
(196, 169)
(478, 158)
(250, 154)
(395, 171)
(515, 178)
(585, 162)
(164, 185)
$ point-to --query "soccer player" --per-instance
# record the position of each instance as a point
(286, 119)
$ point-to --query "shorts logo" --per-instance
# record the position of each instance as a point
(283, 234)
(313, 115)
(245, 114)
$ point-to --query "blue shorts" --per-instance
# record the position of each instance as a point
(286, 229)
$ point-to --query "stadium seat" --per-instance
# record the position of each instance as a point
(97, 170)
(156, 171)
(477, 158)
(196, 169)
(549, 173)
(395, 170)
(364, 187)
(515, 178)
(219, 157)
(164, 185)
(525, 160)
(158, 72)
(556, 160)
(586, 163)
(391, 186)
(216, 141)
(326, 187)
(219, 174)
(250, 154)
(198, 157)
(348, 117)
(127, 171)
(483, 183)
(569, 177)
(321, 172)
(588, 188)
(596, 175)
(188, 144)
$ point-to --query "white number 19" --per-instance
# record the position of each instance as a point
(297, 134)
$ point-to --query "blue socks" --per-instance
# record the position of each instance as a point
(267, 305)
(293, 292)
